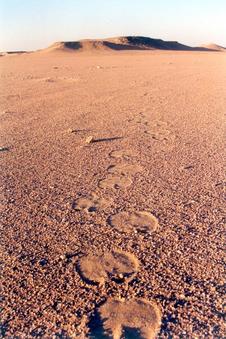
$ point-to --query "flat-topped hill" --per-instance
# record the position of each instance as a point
(122, 43)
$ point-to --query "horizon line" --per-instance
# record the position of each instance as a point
(106, 39)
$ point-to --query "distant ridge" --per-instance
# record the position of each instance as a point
(122, 43)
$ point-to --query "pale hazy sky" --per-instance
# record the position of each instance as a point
(34, 24)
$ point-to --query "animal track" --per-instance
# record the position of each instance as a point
(46, 79)
(138, 119)
(115, 182)
(158, 124)
(57, 79)
(124, 169)
(142, 318)
(91, 203)
(159, 135)
(134, 221)
(116, 265)
(125, 154)
(158, 131)
(122, 318)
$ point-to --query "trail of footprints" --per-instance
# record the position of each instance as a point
(118, 266)
(120, 175)
(156, 129)
(117, 315)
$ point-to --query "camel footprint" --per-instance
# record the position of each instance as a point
(124, 154)
(91, 203)
(124, 169)
(119, 176)
(141, 119)
(116, 265)
(140, 221)
(135, 318)
(115, 182)
(158, 124)
(159, 130)
(159, 135)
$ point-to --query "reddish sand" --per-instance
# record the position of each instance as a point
(163, 114)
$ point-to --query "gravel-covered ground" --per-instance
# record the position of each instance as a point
(164, 112)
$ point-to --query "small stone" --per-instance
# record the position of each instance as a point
(89, 140)
(71, 130)
(4, 149)
(121, 298)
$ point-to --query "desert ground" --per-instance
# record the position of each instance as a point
(112, 194)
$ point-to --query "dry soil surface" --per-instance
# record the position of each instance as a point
(90, 138)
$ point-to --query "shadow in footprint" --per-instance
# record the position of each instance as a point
(128, 319)
(88, 281)
(96, 330)
(131, 333)
(107, 139)
(3, 329)
(92, 209)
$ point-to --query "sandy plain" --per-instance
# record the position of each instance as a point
(155, 163)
